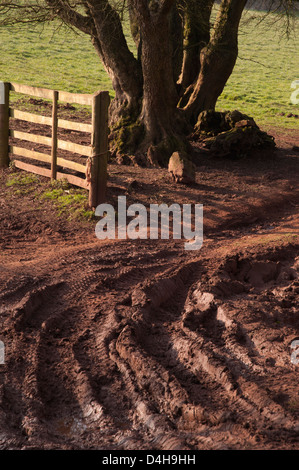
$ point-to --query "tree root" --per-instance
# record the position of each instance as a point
(230, 134)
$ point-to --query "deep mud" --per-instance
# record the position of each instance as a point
(143, 345)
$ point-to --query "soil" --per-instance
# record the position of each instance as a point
(141, 344)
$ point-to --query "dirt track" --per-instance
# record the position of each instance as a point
(143, 345)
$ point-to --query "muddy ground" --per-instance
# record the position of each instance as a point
(140, 344)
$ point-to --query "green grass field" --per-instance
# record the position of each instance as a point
(268, 63)
(260, 86)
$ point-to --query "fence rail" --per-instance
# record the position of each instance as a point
(95, 169)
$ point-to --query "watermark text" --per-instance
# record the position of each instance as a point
(2, 353)
(295, 95)
(160, 221)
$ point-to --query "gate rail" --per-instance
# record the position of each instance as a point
(95, 169)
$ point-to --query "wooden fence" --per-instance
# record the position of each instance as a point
(95, 169)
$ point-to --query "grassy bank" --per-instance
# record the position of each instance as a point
(267, 65)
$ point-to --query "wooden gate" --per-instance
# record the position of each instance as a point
(95, 168)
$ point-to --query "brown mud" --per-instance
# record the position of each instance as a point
(140, 344)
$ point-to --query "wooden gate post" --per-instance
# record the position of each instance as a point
(54, 136)
(99, 148)
(4, 124)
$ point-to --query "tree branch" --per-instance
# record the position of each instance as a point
(42, 11)
(123, 68)
(197, 14)
(70, 16)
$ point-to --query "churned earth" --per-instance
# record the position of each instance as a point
(141, 344)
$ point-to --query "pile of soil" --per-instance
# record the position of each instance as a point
(231, 134)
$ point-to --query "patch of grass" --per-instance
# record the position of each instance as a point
(22, 183)
(69, 201)
(42, 55)
(260, 85)
(268, 240)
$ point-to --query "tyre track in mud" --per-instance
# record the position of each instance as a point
(46, 325)
(131, 346)
(220, 364)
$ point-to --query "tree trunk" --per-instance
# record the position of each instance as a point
(119, 62)
(144, 116)
(160, 93)
(217, 60)
(158, 128)
(197, 15)
(176, 37)
(163, 121)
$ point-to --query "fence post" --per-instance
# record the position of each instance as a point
(54, 136)
(4, 124)
(99, 148)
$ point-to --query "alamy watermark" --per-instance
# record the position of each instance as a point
(2, 353)
(295, 95)
(187, 222)
(2, 93)
(295, 353)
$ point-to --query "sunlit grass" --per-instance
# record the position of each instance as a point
(52, 58)
(267, 65)
(260, 85)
